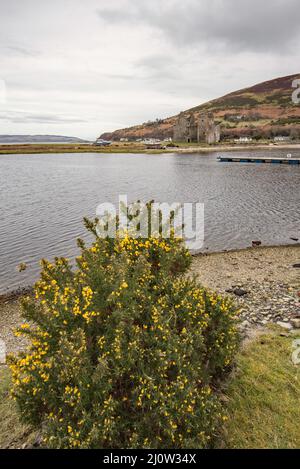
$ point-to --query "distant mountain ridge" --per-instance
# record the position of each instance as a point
(6, 139)
(260, 111)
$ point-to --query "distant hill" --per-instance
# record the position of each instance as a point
(261, 111)
(6, 139)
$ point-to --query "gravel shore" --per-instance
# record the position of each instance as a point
(263, 281)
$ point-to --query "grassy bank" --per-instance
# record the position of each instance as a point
(12, 433)
(132, 147)
(70, 148)
(263, 396)
(262, 399)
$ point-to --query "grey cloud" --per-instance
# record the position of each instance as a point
(156, 66)
(24, 117)
(121, 62)
(155, 61)
(116, 76)
(20, 50)
(239, 25)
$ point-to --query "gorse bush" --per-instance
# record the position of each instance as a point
(124, 351)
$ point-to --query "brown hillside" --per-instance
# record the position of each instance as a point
(260, 111)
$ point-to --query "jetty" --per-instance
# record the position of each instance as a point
(260, 159)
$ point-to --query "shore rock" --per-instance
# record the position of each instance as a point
(296, 323)
(285, 325)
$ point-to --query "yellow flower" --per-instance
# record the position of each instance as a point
(25, 326)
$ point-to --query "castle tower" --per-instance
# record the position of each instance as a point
(190, 128)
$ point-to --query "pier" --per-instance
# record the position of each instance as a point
(259, 159)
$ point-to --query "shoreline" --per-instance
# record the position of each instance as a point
(15, 294)
(248, 248)
(264, 282)
(265, 252)
(15, 149)
(18, 292)
(226, 148)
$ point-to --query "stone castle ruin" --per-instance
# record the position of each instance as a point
(190, 128)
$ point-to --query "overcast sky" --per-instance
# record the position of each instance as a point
(81, 67)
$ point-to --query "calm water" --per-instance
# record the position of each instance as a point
(44, 198)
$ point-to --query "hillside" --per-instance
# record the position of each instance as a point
(261, 111)
(5, 139)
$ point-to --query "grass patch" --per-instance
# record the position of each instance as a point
(263, 396)
(70, 148)
(12, 433)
